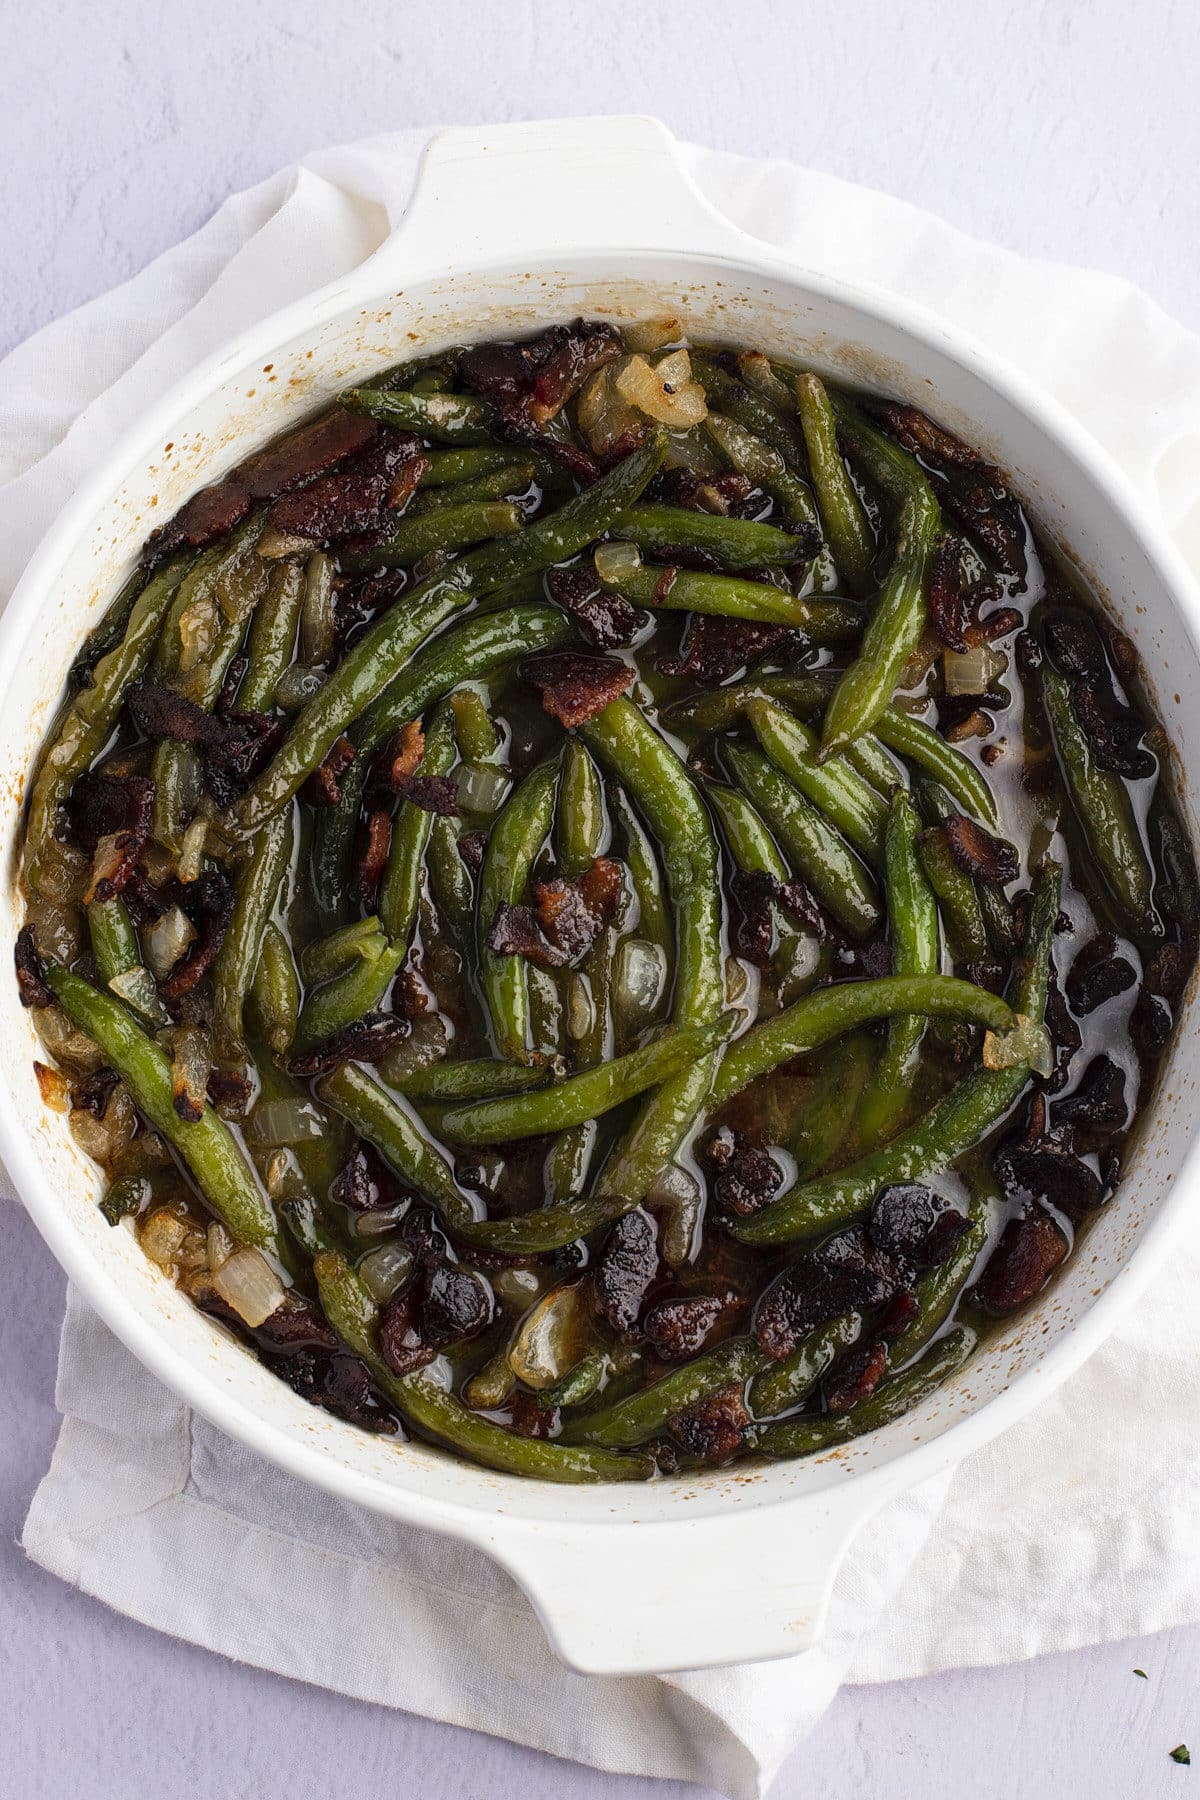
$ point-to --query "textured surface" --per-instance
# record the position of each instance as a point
(1060, 136)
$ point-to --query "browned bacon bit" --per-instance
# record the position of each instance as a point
(1115, 732)
(472, 847)
(432, 793)
(93, 1092)
(532, 382)
(991, 518)
(922, 437)
(117, 855)
(530, 1417)
(975, 724)
(947, 602)
(1098, 974)
(323, 787)
(607, 620)
(372, 860)
(1097, 1104)
(31, 975)
(251, 741)
(627, 1269)
(101, 806)
(365, 1183)
(979, 854)
(161, 712)
(208, 903)
(1029, 1251)
(913, 1224)
(746, 1177)
(1046, 1172)
(991, 626)
(987, 974)
(516, 932)
(358, 496)
(201, 520)
(752, 925)
(682, 1325)
(310, 451)
(713, 1429)
(587, 347)
(846, 1273)
(897, 1316)
(571, 913)
(400, 1341)
(230, 1093)
(366, 1041)
(406, 750)
(411, 998)
(855, 1376)
(575, 685)
(715, 649)
(724, 494)
(456, 1305)
(231, 683)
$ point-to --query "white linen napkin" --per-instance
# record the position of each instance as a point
(1076, 1526)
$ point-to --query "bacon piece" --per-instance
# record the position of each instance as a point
(472, 847)
(200, 521)
(746, 1176)
(716, 649)
(627, 1269)
(1098, 974)
(1029, 1251)
(714, 1429)
(947, 602)
(914, 1225)
(31, 974)
(208, 903)
(160, 712)
(323, 787)
(752, 925)
(357, 496)
(373, 859)
(365, 1183)
(923, 437)
(978, 853)
(516, 932)
(681, 1325)
(855, 1376)
(1044, 1171)
(111, 815)
(251, 741)
(432, 793)
(366, 1041)
(531, 382)
(575, 685)
(230, 1093)
(303, 454)
(847, 1272)
(607, 620)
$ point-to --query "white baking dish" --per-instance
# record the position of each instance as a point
(512, 227)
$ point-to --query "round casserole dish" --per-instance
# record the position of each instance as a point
(511, 228)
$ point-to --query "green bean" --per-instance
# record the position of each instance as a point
(752, 411)
(328, 956)
(91, 716)
(831, 1106)
(733, 597)
(955, 1125)
(812, 845)
(513, 844)
(125, 1199)
(318, 611)
(451, 884)
(957, 899)
(1177, 887)
(750, 843)
(802, 1437)
(400, 890)
(892, 635)
(210, 1152)
(457, 419)
(834, 788)
(579, 823)
(107, 634)
(653, 920)
(115, 944)
(844, 1006)
(447, 468)
(258, 887)
(178, 784)
(882, 460)
(275, 991)
(734, 543)
(513, 478)
(448, 527)
(989, 902)
(474, 732)
(646, 1413)
(846, 524)
(399, 1137)
(272, 636)
(358, 990)
(551, 1227)
(913, 914)
(918, 743)
(750, 455)
(1100, 801)
(334, 832)
(384, 649)
(350, 1310)
(479, 1078)
(939, 1289)
(783, 1385)
(587, 1095)
(318, 1158)
(720, 709)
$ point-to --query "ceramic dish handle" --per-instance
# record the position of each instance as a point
(498, 193)
(695, 1593)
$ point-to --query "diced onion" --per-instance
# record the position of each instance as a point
(581, 1008)
(674, 369)
(191, 850)
(220, 1246)
(616, 562)
(136, 988)
(275, 544)
(690, 450)
(552, 1336)
(679, 404)
(281, 1122)
(191, 1066)
(426, 1044)
(651, 334)
(385, 1270)
(52, 1085)
(104, 1138)
(296, 687)
(167, 939)
(973, 671)
(160, 1234)
(197, 632)
(638, 981)
(379, 1220)
(677, 1192)
(481, 787)
(757, 373)
(1028, 1041)
(247, 1282)
(65, 1042)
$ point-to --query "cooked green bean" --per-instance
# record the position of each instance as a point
(515, 839)
(940, 1288)
(350, 996)
(834, 788)
(257, 891)
(734, 597)
(399, 1138)
(912, 911)
(450, 468)
(1102, 807)
(734, 543)
(817, 851)
(480, 1078)
(382, 651)
(891, 636)
(750, 455)
(114, 941)
(802, 1437)
(786, 1384)
(754, 412)
(442, 418)
(447, 527)
(399, 892)
(653, 921)
(90, 717)
(579, 822)
(512, 478)
(644, 1414)
(846, 524)
(830, 1114)
(450, 882)
(212, 1155)
(272, 637)
(275, 991)
(918, 743)
(957, 899)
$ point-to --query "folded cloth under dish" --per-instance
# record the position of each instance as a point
(1011, 1555)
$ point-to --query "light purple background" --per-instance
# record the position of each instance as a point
(1061, 131)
